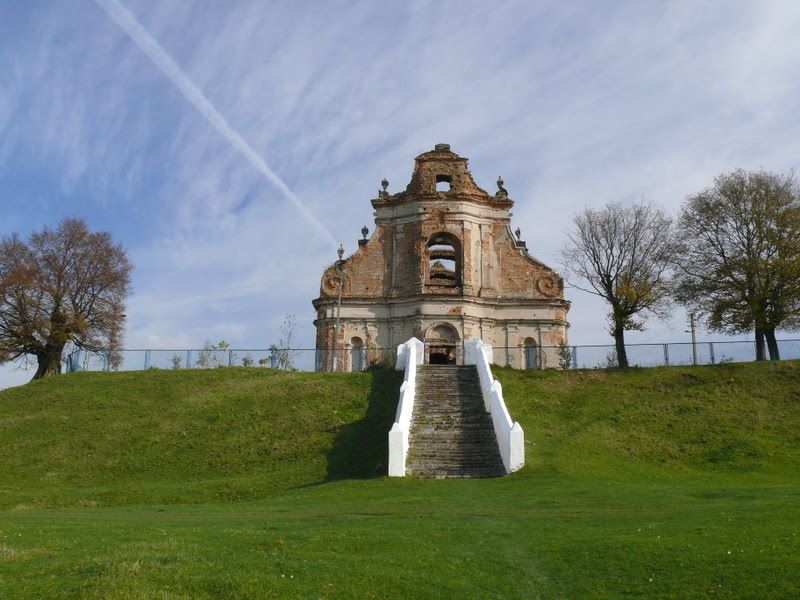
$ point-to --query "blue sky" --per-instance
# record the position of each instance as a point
(574, 104)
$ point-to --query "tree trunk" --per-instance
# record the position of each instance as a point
(760, 354)
(772, 344)
(619, 342)
(49, 361)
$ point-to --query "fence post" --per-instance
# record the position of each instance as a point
(711, 351)
(574, 357)
(230, 358)
(666, 355)
(74, 361)
(146, 359)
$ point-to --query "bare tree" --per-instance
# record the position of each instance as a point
(739, 265)
(288, 332)
(64, 285)
(623, 255)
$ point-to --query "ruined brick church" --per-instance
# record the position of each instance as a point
(442, 265)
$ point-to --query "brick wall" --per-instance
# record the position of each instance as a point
(500, 292)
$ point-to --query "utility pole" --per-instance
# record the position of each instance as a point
(340, 266)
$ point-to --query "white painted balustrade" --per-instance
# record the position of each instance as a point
(510, 437)
(409, 355)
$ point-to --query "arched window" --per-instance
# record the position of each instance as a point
(533, 358)
(444, 260)
(356, 354)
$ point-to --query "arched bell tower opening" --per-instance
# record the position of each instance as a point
(441, 345)
(444, 260)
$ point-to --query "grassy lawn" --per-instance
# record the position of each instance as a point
(674, 482)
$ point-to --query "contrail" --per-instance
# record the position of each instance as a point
(148, 44)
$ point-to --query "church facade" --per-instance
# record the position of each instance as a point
(442, 265)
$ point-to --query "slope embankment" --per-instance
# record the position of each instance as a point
(189, 436)
(229, 434)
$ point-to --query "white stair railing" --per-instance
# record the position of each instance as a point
(409, 355)
(510, 437)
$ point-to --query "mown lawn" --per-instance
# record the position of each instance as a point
(675, 482)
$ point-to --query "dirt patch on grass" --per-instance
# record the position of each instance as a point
(689, 379)
(7, 553)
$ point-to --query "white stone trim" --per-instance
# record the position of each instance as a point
(409, 355)
(510, 437)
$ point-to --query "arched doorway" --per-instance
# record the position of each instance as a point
(356, 354)
(441, 345)
(533, 358)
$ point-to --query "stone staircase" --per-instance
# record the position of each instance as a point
(451, 432)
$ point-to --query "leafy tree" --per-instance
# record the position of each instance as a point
(739, 263)
(565, 355)
(224, 356)
(213, 355)
(63, 285)
(622, 254)
(276, 358)
(205, 355)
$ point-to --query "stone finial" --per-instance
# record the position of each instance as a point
(340, 251)
(518, 233)
(364, 232)
(384, 185)
(502, 192)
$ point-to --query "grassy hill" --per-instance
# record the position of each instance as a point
(239, 483)
(189, 436)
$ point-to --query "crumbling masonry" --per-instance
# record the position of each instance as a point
(442, 265)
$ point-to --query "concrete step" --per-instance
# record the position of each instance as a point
(450, 420)
(455, 472)
(443, 462)
(455, 449)
(452, 428)
(466, 427)
(458, 445)
(453, 446)
(454, 458)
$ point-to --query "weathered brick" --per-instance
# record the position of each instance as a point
(442, 266)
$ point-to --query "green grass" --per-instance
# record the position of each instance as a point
(674, 482)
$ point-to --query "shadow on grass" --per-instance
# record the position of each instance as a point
(361, 449)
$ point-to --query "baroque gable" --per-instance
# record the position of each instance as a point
(442, 254)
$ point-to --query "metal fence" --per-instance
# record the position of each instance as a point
(300, 359)
(602, 356)
(353, 359)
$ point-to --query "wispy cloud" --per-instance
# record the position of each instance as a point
(193, 94)
(573, 104)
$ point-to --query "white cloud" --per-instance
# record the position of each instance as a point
(573, 104)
